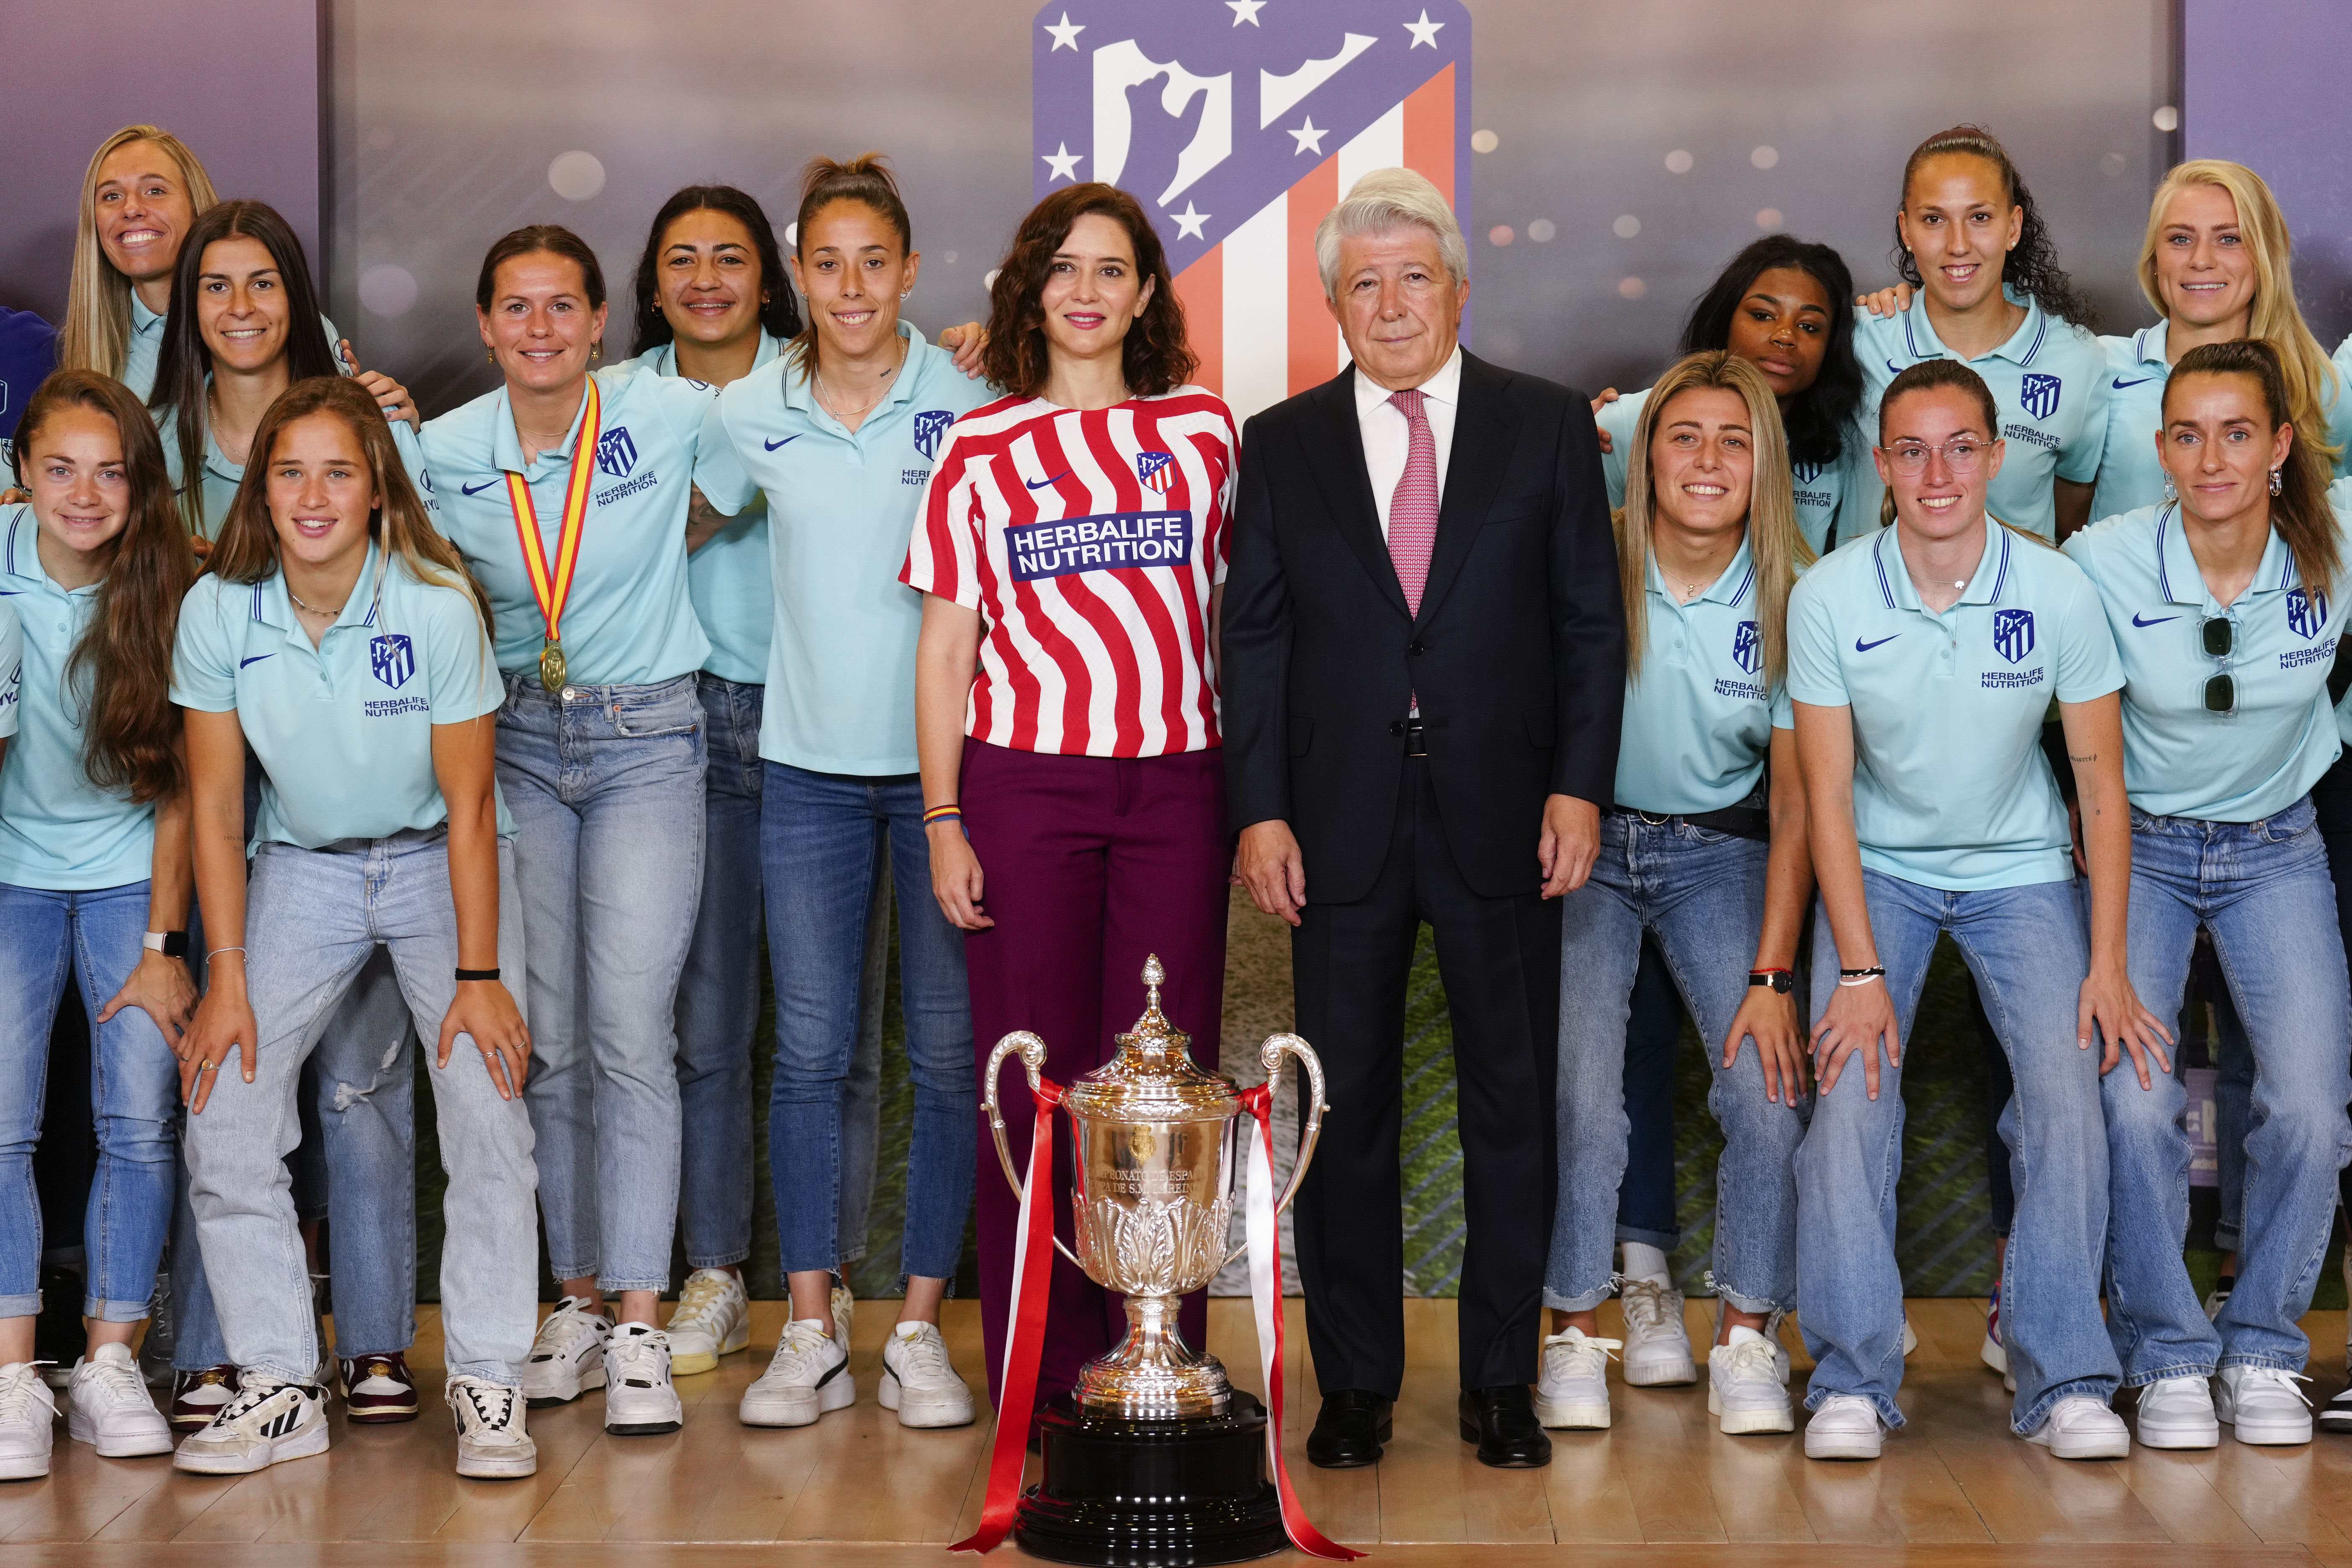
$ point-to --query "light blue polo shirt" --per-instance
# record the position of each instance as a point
(12, 669)
(1950, 787)
(344, 730)
(2049, 381)
(2129, 475)
(842, 506)
(1819, 486)
(727, 577)
(2178, 759)
(1699, 717)
(59, 831)
(629, 621)
(145, 350)
(222, 476)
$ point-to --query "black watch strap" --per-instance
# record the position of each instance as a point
(1779, 980)
(478, 974)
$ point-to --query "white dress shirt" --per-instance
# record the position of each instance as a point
(1388, 435)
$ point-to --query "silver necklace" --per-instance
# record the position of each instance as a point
(313, 609)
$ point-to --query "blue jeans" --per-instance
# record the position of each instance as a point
(605, 785)
(364, 1074)
(719, 1007)
(820, 837)
(2264, 890)
(312, 919)
(1702, 893)
(2027, 949)
(134, 1092)
(1654, 1037)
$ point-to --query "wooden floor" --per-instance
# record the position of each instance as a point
(1662, 1487)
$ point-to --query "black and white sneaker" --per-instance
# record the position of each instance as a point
(2336, 1415)
(639, 1398)
(567, 1356)
(266, 1422)
(808, 1375)
(491, 1442)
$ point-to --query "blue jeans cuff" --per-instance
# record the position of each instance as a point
(497, 1372)
(654, 1282)
(1888, 1411)
(715, 1260)
(2099, 1388)
(308, 1377)
(114, 1311)
(1664, 1240)
(2225, 1240)
(1584, 1303)
(2183, 1369)
(560, 1272)
(2277, 1362)
(21, 1306)
(1747, 1303)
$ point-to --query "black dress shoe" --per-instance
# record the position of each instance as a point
(1502, 1422)
(1349, 1429)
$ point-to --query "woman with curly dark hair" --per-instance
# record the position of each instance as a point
(1971, 241)
(1072, 551)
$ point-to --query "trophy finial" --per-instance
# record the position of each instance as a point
(1154, 977)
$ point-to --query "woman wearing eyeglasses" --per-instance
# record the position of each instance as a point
(2222, 601)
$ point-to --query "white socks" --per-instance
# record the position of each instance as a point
(1644, 1261)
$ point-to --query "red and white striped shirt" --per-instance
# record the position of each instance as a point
(1089, 542)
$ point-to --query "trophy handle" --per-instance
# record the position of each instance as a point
(1277, 1046)
(1033, 1062)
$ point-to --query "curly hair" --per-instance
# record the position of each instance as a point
(1155, 357)
(2033, 268)
(780, 317)
(1816, 417)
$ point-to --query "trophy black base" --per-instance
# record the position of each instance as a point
(1183, 1493)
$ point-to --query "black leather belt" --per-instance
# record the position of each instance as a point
(1741, 821)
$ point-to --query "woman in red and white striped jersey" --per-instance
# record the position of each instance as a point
(1072, 553)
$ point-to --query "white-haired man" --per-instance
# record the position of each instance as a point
(1424, 664)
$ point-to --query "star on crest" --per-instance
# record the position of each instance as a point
(1062, 163)
(1066, 33)
(1423, 31)
(1310, 138)
(1245, 11)
(1191, 221)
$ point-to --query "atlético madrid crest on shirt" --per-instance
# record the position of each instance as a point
(2012, 633)
(1156, 469)
(2039, 394)
(1238, 124)
(930, 426)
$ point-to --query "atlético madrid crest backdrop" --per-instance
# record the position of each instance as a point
(1239, 123)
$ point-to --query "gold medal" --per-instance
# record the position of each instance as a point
(551, 586)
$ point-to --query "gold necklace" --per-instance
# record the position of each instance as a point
(824, 394)
(313, 609)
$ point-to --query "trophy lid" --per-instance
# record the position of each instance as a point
(1153, 1078)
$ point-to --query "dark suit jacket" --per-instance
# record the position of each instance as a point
(1519, 652)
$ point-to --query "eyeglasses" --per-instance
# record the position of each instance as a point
(1962, 456)
(2219, 636)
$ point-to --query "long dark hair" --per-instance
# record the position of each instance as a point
(120, 674)
(2033, 268)
(1817, 417)
(247, 550)
(865, 179)
(780, 317)
(2299, 510)
(184, 370)
(1156, 357)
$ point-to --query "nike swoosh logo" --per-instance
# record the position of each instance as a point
(1861, 647)
(2119, 384)
(478, 489)
(787, 441)
(257, 658)
(1057, 479)
(2157, 622)
(1892, 366)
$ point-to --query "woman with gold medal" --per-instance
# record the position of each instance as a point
(567, 490)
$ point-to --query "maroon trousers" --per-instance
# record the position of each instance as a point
(1092, 864)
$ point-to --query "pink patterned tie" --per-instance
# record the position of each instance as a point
(1413, 511)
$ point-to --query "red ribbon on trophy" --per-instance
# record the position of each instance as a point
(1033, 1272)
(1264, 1239)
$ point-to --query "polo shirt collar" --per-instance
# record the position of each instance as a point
(2147, 345)
(800, 393)
(2179, 580)
(1919, 333)
(506, 446)
(1985, 583)
(1732, 588)
(142, 320)
(663, 361)
(20, 555)
(1443, 387)
(269, 604)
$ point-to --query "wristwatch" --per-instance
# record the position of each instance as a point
(170, 943)
(1779, 980)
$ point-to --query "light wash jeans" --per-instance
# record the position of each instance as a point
(2027, 949)
(718, 1006)
(820, 837)
(605, 785)
(1702, 893)
(2264, 890)
(312, 916)
(134, 1093)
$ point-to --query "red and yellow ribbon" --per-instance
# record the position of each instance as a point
(553, 588)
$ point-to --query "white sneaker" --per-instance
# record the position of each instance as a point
(2219, 1297)
(491, 1442)
(567, 1357)
(639, 1399)
(2264, 1404)
(1910, 1336)
(808, 1375)
(920, 1382)
(2177, 1412)
(713, 1319)
(1743, 1388)
(2081, 1426)
(28, 1412)
(266, 1422)
(109, 1407)
(1657, 1345)
(1573, 1391)
(845, 1314)
(1846, 1426)
(1992, 1353)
